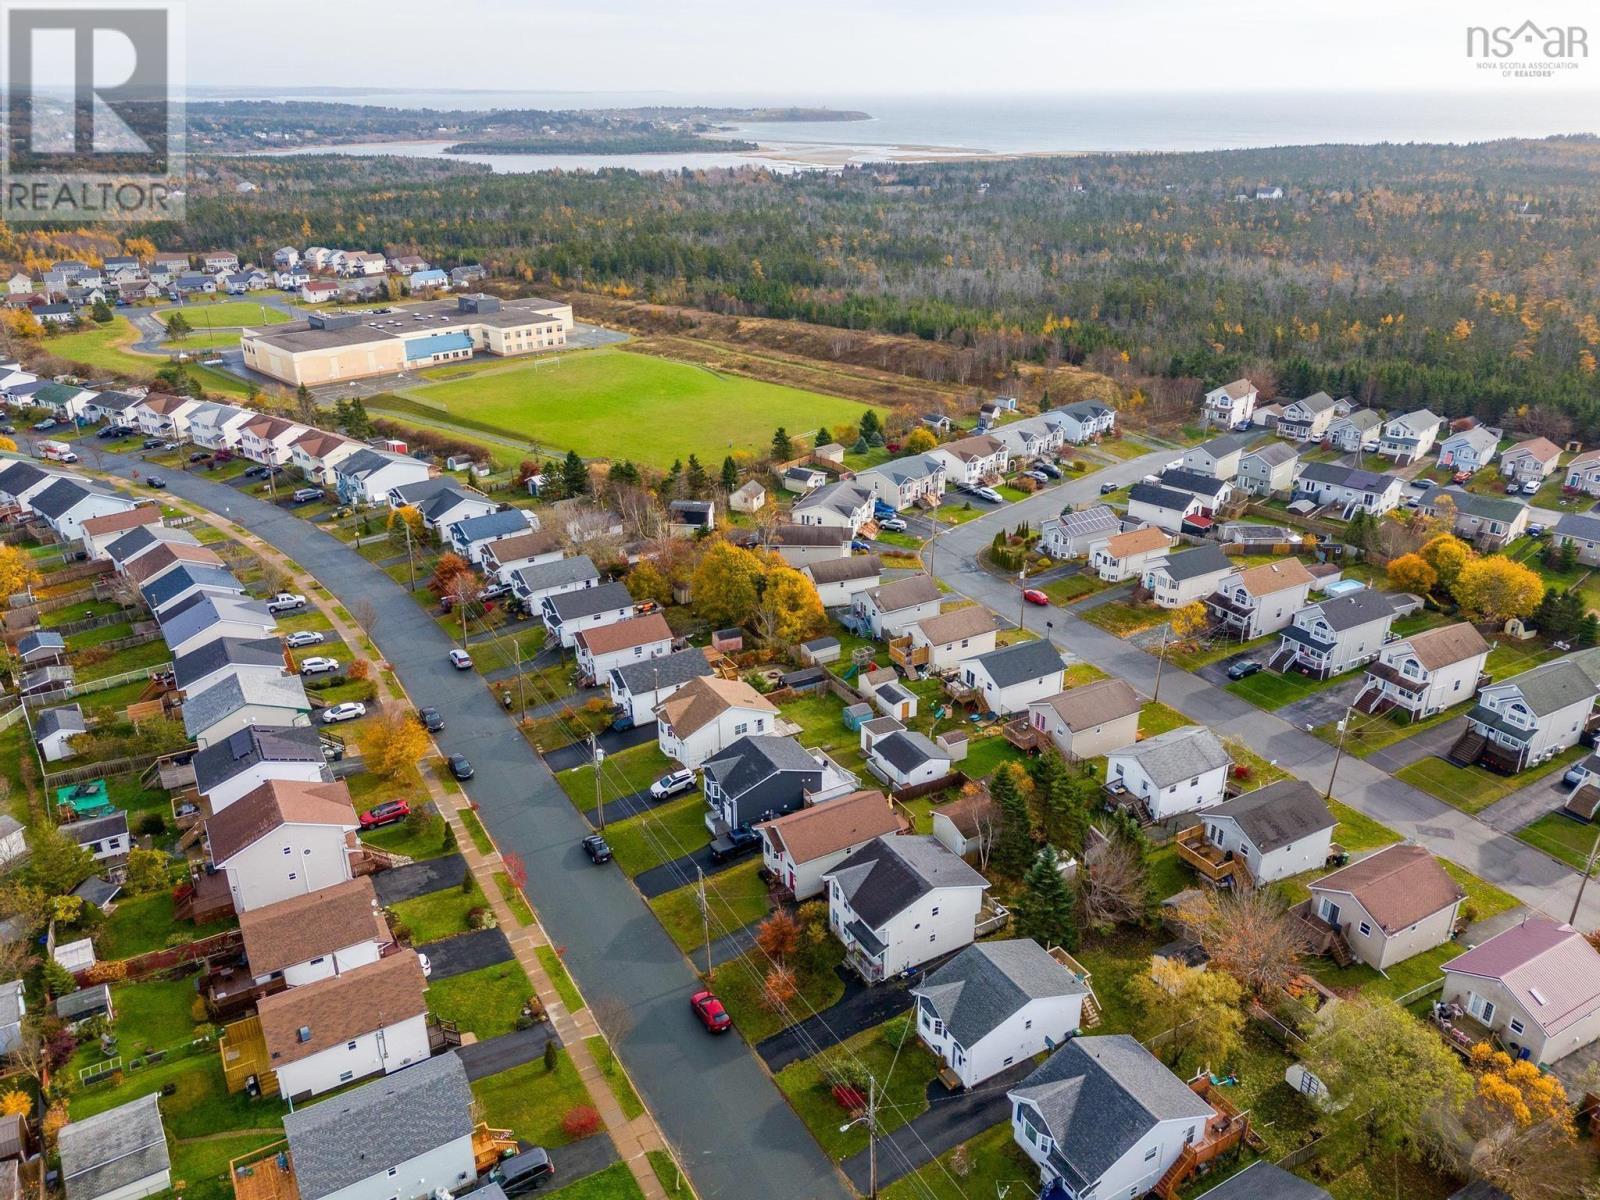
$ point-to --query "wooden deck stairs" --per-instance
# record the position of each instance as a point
(1468, 749)
(1090, 1013)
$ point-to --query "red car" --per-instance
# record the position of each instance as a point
(386, 813)
(711, 1013)
(1035, 596)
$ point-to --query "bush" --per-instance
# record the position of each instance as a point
(580, 1122)
(482, 918)
(895, 1030)
(106, 971)
(551, 1057)
(152, 825)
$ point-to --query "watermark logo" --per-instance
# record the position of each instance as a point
(1528, 50)
(93, 112)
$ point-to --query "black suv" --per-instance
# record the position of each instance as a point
(596, 848)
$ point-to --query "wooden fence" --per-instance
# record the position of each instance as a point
(954, 781)
(143, 966)
(84, 624)
(109, 768)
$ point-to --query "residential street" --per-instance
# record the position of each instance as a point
(711, 1096)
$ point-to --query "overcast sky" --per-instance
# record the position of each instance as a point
(808, 51)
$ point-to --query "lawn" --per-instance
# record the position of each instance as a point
(1357, 831)
(476, 831)
(204, 314)
(1156, 717)
(200, 1166)
(621, 775)
(557, 970)
(1562, 837)
(154, 1015)
(141, 924)
(1271, 691)
(1484, 900)
(994, 1166)
(1401, 978)
(739, 984)
(596, 402)
(616, 1078)
(530, 1101)
(616, 1182)
(677, 828)
(1122, 619)
(199, 1104)
(1472, 789)
(1073, 587)
(144, 657)
(486, 1002)
(903, 1073)
(439, 914)
(428, 837)
(515, 900)
(821, 719)
(735, 897)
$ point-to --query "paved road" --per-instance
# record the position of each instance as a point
(1534, 878)
(710, 1095)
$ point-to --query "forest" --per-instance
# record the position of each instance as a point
(1463, 278)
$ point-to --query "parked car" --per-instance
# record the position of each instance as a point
(1530, 488)
(892, 525)
(460, 660)
(712, 1015)
(460, 767)
(425, 963)
(114, 431)
(169, 445)
(1537, 531)
(155, 481)
(1050, 469)
(736, 843)
(350, 710)
(596, 848)
(386, 813)
(319, 665)
(253, 472)
(1036, 476)
(989, 494)
(1035, 596)
(151, 443)
(523, 1172)
(432, 719)
(303, 637)
(1461, 477)
(8, 427)
(286, 602)
(1575, 775)
(47, 423)
(860, 546)
(1107, 488)
(672, 784)
(1244, 668)
(494, 591)
(306, 495)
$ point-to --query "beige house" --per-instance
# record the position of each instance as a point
(953, 637)
(1125, 555)
(1534, 460)
(1090, 720)
(1261, 600)
(1389, 906)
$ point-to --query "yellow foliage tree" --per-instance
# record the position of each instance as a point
(393, 744)
(7, 445)
(1189, 621)
(1183, 1007)
(790, 610)
(1446, 554)
(1412, 573)
(1495, 589)
(920, 441)
(16, 1104)
(17, 571)
(727, 584)
(407, 517)
(1517, 1091)
(648, 582)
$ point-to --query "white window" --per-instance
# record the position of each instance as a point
(1149, 1154)
(346, 1076)
(349, 1045)
(1366, 930)
(1516, 1026)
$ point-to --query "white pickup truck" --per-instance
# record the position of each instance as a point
(286, 602)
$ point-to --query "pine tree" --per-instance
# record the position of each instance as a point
(1066, 799)
(823, 438)
(574, 475)
(730, 474)
(341, 414)
(1044, 401)
(870, 426)
(1013, 845)
(782, 447)
(624, 473)
(1044, 910)
(696, 480)
(360, 425)
(670, 482)
(1568, 560)
(305, 407)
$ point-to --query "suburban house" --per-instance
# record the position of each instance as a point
(1333, 636)
(691, 518)
(316, 935)
(54, 729)
(1082, 420)
(951, 638)
(801, 544)
(1104, 1117)
(118, 1154)
(996, 1004)
(1536, 985)
(1307, 420)
(174, 586)
(759, 776)
(1532, 461)
(214, 615)
(1408, 437)
(1072, 533)
(145, 539)
(1393, 904)
(902, 482)
(607, 647)
(1471, 449)
(1488, 522)
(1268, 470)
(552, 576)
(105, 838)
(1173, 772)
(1168, 508)
(1088, 720)
(973, 460)
(567, 614)
(420, 1120)
(708, 714)
(1221, 457)
(839, 580)
(441, 501)
(1348, 489)
(638, 688)
(1126, 555)
(501, 557)
(270, 440)
(66, 504)
(1355, 431)
(147, 568)
(1029, 438)
(370, 1020)
(1212, 493)
(42, 646)
(889, 611)
(906, 759)
(802, 847)
(1425, 673)
(846, 504)
(240, 700)
(161, 415)
(899, 901)
(1583, 531)
(470, 537)
(236, 766)
(370, 477)
(1522, 721)
(1186, 577)
(1008, 680)
(219, 426)
(1263, 1180)
(282, 839)
(965, 825)
(315, 454)
(748, 497)
(1231, 405)
(803, 479)
(1276, 831)
(1583, 473)
(1261, 600)
(99, 532)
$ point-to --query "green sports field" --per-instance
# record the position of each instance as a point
(204, 313)
(105, 348)
(616, 404)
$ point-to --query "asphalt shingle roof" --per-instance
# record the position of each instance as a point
(1161, 497)
(113, 1149)
(234, 692)
(1277, 814)
(1192, 482)
(1355, 609)
(984, 985)
(1264, 1181)
(889, 873)
(670, 669)
(585, 602)
(1021, 662)
(906, 751)
(540, 576)
(210, 608)
(226, 652)
(1202, 560)
(221, 761)
(1176, 755)
(754, 758)
(171, 584)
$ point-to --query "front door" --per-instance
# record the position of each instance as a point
(1330, 913)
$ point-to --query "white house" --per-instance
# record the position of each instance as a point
(973, 460)
(899, 901)
(607, 647)
(213, 616)
(219, 426)
(1173, 772)
(707, 714)
(282, 839)
(1231, 405)
(1389, 906)
(1583, 473)
(1469, 450)
(840, 580)
(97, 533)
(1163, 507)
(1268, 470)
(996, 1004)
(426, 1115)
(368, 1021)
(316, 935)
(1221, 456)
(1072, 533)
(1307, 420)
(471, 536)
(1013, 677)
(1425, 673)
(105, 838)
(801, 544)
(54, 729)
(846, 504)
(1355, 431)
(1333, 636)
(1488, 522)
(638, 688)
(1030, 438)
(118, 1154)
(1531, 461)
(1186, 577)
(1083, 420)
(1261, 600)
(567, 614)
(241, 699)
(1349, 489)
(803, 479)
(369, 477)
(161, 415)
(535, 582)
(1088, 720)
(1522, 721)
(1103, 1117)
(906, 759)
(889, 611)
(1126, 555)
(903, 482)
(441, 501)
(536, 546)
(66, 504)
(1276, 831)
(951, 638)
(1212, 493)
(270, 440)
(316, 454)
(802, 847)
(236, 766)
(1408, 437)
(966, 825)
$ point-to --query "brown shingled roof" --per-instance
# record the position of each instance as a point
(164, 556)
(524, 545)
(970, 811)
(304, 927)
(835, 825)
(1137, 541)
(347, 1006)
(1447, 644)
(700, 701)
(619, 635)
(1275, 576)
(969, 622)
(277, 802)
(1398, 886)
(1093, 704)
(144, 514)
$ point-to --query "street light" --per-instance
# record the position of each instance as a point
(870, 1120)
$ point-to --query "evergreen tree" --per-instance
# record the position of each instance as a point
(669, 484)
(782, 447)
(870, 426)
(823, 438)
(730, 475)
(341, 414)
(1588, 630)
(101, 312)
(696, 480)
(1013, 845)
(624, 474)
(1044, 910)
(1568, 558)
(305, 407)
(574, 475)
(1044, 401)
(358, 424)
(1067, 799)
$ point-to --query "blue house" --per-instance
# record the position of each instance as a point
(435, 277)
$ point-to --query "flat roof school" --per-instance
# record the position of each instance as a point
(332, 347)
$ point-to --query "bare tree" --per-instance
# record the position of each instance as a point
(1112, 888)
(366, 613)
(1250, 934)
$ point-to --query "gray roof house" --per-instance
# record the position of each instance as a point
(1530, 717)
(658, 674)
(118, 1154)
(1583, 531)
(220, 654)
(758, 777)
(41, 646)
(423, 1112)
(1011, 678)
(1188, 576)
(586, 602)
(905, 758)
(221, 761)
(1278, 831)
(1355, 431)
(538, 580)
(245, 698)
(1268, 469)
(218, 615)
(1176, 771)
(1488, 522)
(1072, 533)
(467, 535)
(171, 586)
(1334, 636)
(1263, 1180)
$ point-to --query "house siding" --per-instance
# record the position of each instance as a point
(1378, 949)
(398, 1045)
(262, 874)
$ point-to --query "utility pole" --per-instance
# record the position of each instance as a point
(410, 559)
(1338, 753)
(870, 1120)
(705, 914)
(1588, 869)
(1161, 661)
(599, 757)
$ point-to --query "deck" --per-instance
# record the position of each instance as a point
(1226, 1131)
(908, 657)
(1217, 867)
(266, 1174)
(243, 1047)
(1020, 732)
(1462, 1031)
(991, 916)
(1091, 1002)
(1321, 937)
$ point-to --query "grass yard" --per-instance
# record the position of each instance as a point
(1357, 831)
(1403, 977)
(994, 1164)
(1271, 691)
(676, 828)
(1073, 587)
(616, 1182)
(200, 1166)
(1561, 836)
(1112, 960)
(1484, 900)
(476, 831)
(439, 914)
(616, 1078)
(821, 719)
(735, 897)
(515, 900)
(738, 983)
(200, 1104)
(1122, 619)
(557, 970)
(141, 924)
(986, 753)
(530, 1101)
(1156, 717)
(1081, 673)
(145, 657)
(1473, 789)
(205, 314)
(621, 775)
(595, 401)
(1366, 734)
(154, 1015)
(428, 837)
(486, 1002)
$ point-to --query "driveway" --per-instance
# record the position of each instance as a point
(1324, 707)
(1429, 743)
(1511, 813)
(482, 1059)
(659, 880)
(861, 1007)
(612, 741)
(467, 952)
(711, 1096)
(419, 879)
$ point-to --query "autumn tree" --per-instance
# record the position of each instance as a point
(1014, 847)
(392, 745)
(920, 441)
(1249, 933)
(790, 611)
(1188, 1008)
(779, 935)
(446, 570)
(727, 584)
(648, 582)
(17, 570)
(1446, 554)
(1111, 885)
(147, 871)
(7, 445)
(779, 988)
(1411, 573)
(1189, 621)
(1043, 910)
(406, 521)
(56, 864)
(1495, 589)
